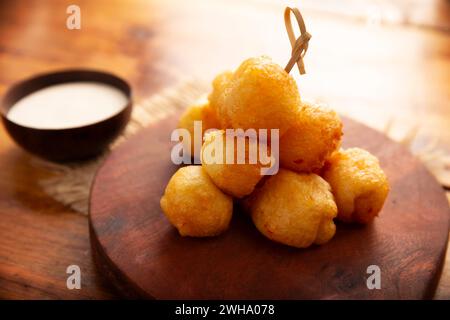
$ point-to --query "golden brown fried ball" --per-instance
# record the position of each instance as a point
(216, 97)
(199, 111)
(209, 118)
(294, 209)
(314, 136)
(359, 184)
(194, 205)
(259, 95)
(234, 179)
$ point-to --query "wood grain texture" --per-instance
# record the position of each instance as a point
(40, 239)
(371, 72)
(146, 256)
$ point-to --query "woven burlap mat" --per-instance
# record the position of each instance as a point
(70, 183)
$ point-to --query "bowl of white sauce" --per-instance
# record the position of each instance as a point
(68, 115)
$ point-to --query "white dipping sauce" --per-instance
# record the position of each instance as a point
(68, 105)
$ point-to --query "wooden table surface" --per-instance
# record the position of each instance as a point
(371, 60)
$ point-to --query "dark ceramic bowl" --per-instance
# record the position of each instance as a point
(73, 143)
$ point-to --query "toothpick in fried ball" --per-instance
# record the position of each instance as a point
(259, 95)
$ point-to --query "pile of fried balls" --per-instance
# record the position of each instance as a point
(317, 181)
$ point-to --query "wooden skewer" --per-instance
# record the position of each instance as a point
(299, 45)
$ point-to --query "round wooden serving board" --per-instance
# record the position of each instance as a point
(142, 254)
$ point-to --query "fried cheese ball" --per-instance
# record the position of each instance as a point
(199, 111)
(359, 185)
(259, 94)
(314, 136)
(216, 97)
(294, 209)
(234, 179)
(194, 205)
